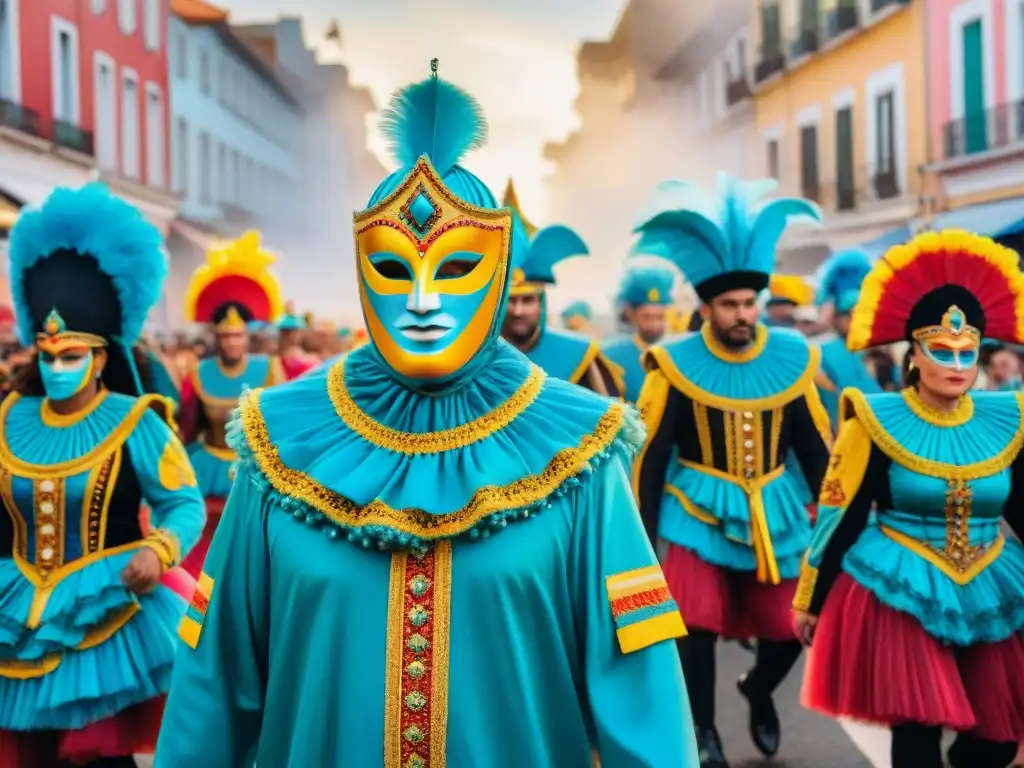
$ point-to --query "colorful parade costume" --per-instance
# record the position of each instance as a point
(577, 317)
(232, 289)
(294, 361)
(566, 355)
(920, 597)
(84, 661)
(641, 286)
(433, 542)
(733, 517)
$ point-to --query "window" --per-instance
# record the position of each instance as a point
(181, 153)
(130, 138)
(205, 193)
(809, 162)
(154, 135)
(771, 31)
(223, 82)
(151, 24)
(66, 106)
(181, 54)
(10, 56)
(222, 172)
(127, 16)
(106, 111)
(845, 193)
(204, 73)
(975, 133)
(772, 158)
(250, 184)
(885, 146)
(236, 177)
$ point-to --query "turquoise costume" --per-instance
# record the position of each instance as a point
(80, 653)
(641, 286)
(712, 479)
(432, 541)
(920, 596)
(577, 316)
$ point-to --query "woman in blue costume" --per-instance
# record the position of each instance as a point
(913, 598)
(90, 604)
(647, 291)
(566, 355)
(431, 556)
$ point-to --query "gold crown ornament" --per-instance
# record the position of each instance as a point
(55, 338)
(232, 322)
(953, 331)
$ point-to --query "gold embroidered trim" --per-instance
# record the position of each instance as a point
(417, 443)
(593, 353)
(960, 415)
(805, 586)
(700, 415)
(417, 522)
(855, 399)
(806, 379)
(51, 418)
(272, 377)
(96, 502)
(86, 461)
(776, 417)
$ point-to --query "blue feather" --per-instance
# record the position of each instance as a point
(841, 273)
(91, 221)
(548, 247)
(433, 118)
(638, 282)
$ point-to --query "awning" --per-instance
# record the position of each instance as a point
(998, 219)
(875, 248)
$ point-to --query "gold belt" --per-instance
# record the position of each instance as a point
(959, 569)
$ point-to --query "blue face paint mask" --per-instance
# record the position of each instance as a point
(63, 378)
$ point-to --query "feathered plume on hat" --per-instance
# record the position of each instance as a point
(539, 249)
(790, 289)
(840, 278)
(720, 242)
(647, 285)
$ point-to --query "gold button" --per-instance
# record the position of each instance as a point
(47, 530)
(748, 415)
(47, 554)
(747, 428)
(46, 508)
(748, 458)
(748, 443)
(46, 486)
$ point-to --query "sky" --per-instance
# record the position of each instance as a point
(517, 57)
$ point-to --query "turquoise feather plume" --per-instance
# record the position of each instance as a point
(707, 235)
(841, 275)
(548, 247)
(433, 118)
(577, 309)
(647, 285)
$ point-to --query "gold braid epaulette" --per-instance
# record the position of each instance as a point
(419, 523)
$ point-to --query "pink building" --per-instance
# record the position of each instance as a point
(976, 107)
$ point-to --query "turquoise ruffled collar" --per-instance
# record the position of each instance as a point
(980, 438)
(351, 450)
(777, 368)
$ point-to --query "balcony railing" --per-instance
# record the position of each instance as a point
(14, 115)
(878, 5)
(865, 185)
(841, 19)
(736, 91)
(994, 128)
(805, 42)
(73, 137)
(771, 62)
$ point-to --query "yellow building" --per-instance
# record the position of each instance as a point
(840, 105)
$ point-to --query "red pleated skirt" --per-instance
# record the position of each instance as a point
(872, 663)
(129, 732)
(193, 563)
(732, 604)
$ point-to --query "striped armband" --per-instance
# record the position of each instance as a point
(191, 626)
(643, 609)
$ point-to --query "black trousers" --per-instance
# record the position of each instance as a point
(920, 746)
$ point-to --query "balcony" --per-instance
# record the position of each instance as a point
(880, 5)
(771, 62)
(19, 118)
(862, 187)
(737, 91)
(70, 136)
(841, 19)
(805, 42)
(995, 128)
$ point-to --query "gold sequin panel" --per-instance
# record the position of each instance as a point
(743, 444)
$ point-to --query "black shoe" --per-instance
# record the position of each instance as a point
(709, 749)
(765, 730)
(971, 752)
(746, 644)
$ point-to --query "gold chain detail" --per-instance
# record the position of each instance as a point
(417, 522)
(418, 443)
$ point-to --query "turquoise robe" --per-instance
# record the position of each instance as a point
(401, 579)
(884, 516)
(627, 353)
(71, 490)
(567, 356)
(840, 369)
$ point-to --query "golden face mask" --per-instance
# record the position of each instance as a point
(433, 273)
(953, 343)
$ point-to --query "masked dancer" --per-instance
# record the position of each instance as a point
(90, 603)
(732, 400)
(234, 288)
(647, 292)
(440, 493)
(919, 594)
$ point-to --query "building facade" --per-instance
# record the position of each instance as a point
(976, 110)
(838, 90)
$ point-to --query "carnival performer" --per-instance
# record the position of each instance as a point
(437, 490)
(577, 317)
(647, 292)
(839, 287)
(232, 289)
(295, 361)
(919, 598)
(90, 603)
(785, 294)
(732, 400)
(573, 357)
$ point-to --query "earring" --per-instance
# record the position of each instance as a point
(911, 366)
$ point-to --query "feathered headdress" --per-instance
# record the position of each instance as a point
(952, 283)
(647, 285)
(235, 286)
(720, 242)
(543, 248)
(790, 289)
(290, 321)
(840, 278)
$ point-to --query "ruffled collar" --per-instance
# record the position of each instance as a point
(773, 371)
(350, 449)
(981, 437)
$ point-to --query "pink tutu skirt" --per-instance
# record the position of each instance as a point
(872, 663)
(732, 604)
